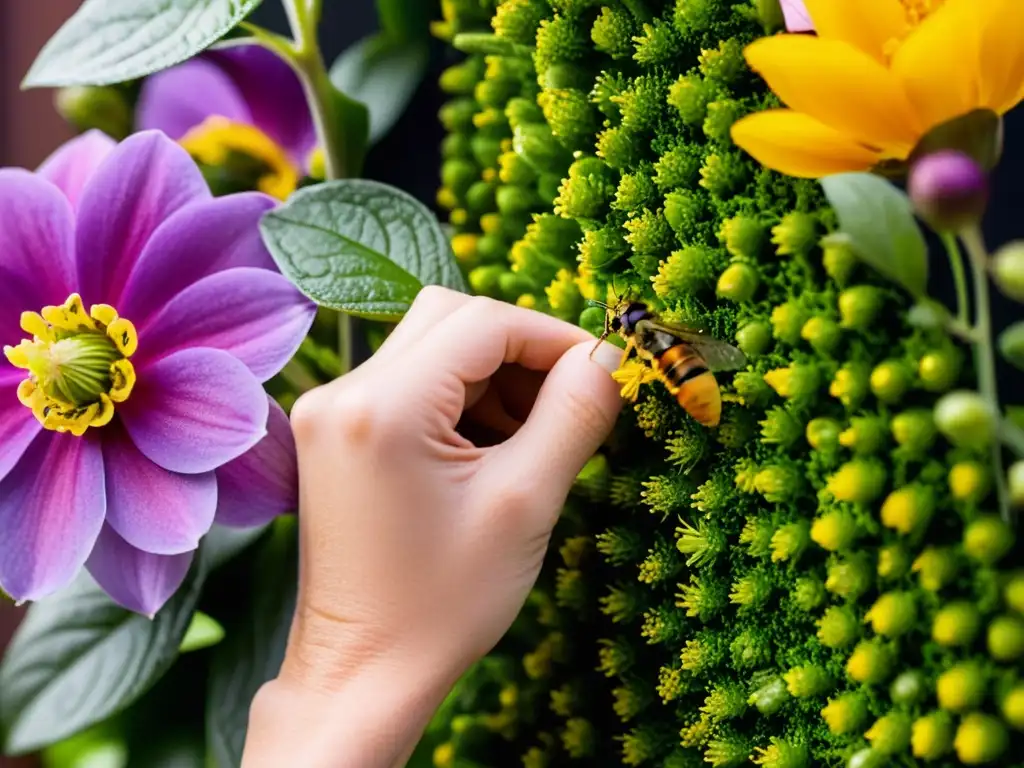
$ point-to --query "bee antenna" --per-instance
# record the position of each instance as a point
(597, 303)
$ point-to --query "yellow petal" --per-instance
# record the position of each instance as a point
(1001, 32)
(865, 24)
(937, 63)
(840, 86)
(798, 145)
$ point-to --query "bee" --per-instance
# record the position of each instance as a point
(684, 360)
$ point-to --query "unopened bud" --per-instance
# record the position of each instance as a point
(949, 190)
(1008, 269)
(965, 419)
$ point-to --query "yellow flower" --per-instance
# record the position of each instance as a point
(633, 375)
(879, 75)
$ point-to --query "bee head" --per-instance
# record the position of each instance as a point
(630, 315)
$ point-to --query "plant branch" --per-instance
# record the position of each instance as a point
(956, 264)
(985, 358)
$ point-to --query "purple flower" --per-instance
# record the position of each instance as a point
(138, 317)
(242, 100)
(949, 190)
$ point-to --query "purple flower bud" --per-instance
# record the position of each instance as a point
(949, 190)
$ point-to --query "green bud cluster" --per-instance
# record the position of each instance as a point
(821, 579)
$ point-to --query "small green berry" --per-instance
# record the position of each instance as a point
(965, 419)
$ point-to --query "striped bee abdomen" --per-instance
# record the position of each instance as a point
(687, 377)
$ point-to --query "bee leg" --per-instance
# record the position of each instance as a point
(630, 345)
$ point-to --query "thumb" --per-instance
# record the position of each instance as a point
(574, 413)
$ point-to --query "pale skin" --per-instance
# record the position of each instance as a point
(431, 478)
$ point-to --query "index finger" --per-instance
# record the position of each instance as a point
(483, 334)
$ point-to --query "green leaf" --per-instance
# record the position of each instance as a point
(203, 632)
(879, 221)
(360, 246)
(222, 544)
(1011, 345)
(254, 649)
(383, 75)
(111, 41)
(79, 658)
(406, 21)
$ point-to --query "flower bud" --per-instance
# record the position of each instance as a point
(980, 739)
(738, 282)
(961, 687)
(858, 481)
(969, 481)
(838, 258)
(987, 539)
(1008, 269)
(101, 107)
(754, 338)
(858, 307)
(890, 381)
(908, 509)
(849, 578)
(796, 381)
(871, 662)
(949, 190)
(823, 434)
(965, 419)
(822, 333)
(1013, 593)
(935, 568)
(770, 697)
(808, 680)
(787, 320)
(931, 736)
(866, 758)
(940, 369)
(956, 624)
(1015, 482)
(893, 561)
(796, 233)
(838, 627)
(845, 714)
(850, 385)
(1006, 638)
(485, 280)
(808, 594)
(909, 688)
(1013, 707)
(893, 614)
(914, 430)
(865, 435)
(890, 734)
(835, 530)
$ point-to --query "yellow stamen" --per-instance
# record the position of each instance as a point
(633, 375)
(77, 364)
(213, 141)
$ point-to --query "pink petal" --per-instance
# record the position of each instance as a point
(160, 512)
(180, 98)
(144, 180)
(256, 315)
(263, 483)
(196, 410)
(137, 580)
(71, 166)
(197, 241)
(796, 15)
(51, 511)
(18, 427)
(37, 248)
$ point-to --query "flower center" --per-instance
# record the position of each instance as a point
(77, 364)
(238, 154)
(915, 12)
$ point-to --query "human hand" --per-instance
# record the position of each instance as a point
(430, 480)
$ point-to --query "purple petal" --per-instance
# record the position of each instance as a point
(137, 580)
(256, 315)
(51, 511)
(195, 411)
(160, 512)
(178, 99)
(18, 427)
(263, 483)
(142, 182)
(197, 241)
(37, 248)
(71, 166)
(274, 95)
(796, 16)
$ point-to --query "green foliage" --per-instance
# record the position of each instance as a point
(113, 41)
(757, 588)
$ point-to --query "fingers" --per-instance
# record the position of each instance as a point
(574, 413)
(483, 334)
(431, 305)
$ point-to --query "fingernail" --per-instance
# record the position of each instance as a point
(607, 356)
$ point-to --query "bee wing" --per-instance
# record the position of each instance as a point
(719, 355)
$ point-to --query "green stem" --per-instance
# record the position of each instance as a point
(956, 265)
(985, 357)
(298, 377)
(1012, 436)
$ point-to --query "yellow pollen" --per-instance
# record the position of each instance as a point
(77, 363)
(213, 141)
(915, 12)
